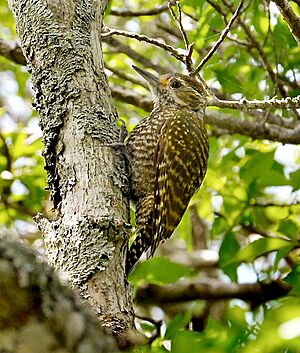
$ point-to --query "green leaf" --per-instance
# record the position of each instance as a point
(228, 249)
(258, 248)
(147, 327)
(295, 179)
(288, 228)
(284, 38)
(187, 341)
(158, 270)
(218, 227)
(281, 254)
(228, 80)
(178, 323)
(263, 169)
(293, 278)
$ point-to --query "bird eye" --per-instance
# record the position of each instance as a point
(175, 84)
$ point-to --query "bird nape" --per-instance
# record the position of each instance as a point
(168, 153)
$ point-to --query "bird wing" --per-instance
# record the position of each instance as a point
(180, 163)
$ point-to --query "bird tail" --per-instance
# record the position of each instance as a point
(138, 247)
(144, 230)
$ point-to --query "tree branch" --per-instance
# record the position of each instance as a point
(210, 289)
(143, 38)
(260, 50)
(38, 312)
(256, 128)
(244, 105)
(220, 40)
(12, 51)
(290, 17)
(131, 97)
(130, 13)
(188, 47)
(123, 48)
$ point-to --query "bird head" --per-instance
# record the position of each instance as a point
(175, 89)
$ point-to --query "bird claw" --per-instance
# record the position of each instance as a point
(123, 131)
(120, 147)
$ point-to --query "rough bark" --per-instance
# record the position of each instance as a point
(38, 314)
(87, 181)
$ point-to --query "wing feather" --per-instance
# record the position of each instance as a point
(180, 163)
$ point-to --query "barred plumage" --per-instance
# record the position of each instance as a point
(168, 157)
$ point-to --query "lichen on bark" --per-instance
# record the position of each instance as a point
(42, 315)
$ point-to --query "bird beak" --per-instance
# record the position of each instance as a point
(152, 80)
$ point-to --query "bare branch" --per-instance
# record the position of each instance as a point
(211, 289)
(200, 232)
(219, 10)
(290, 17)
(178, 19)
(131, 97)
(244, 104)
(198, 259)
(259, 48)
(272, 118)
(189, 47)
(143, 38)
(123, 48)
(220, 40)
(129, 13)
(122, 74)
(12, 51)
(255, 128)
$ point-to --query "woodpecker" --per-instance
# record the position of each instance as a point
(168, 153)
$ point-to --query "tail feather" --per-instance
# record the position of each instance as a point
(139, 246)
(144, 230)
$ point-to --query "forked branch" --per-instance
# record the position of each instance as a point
(220, 40)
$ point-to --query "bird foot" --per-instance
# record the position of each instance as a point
(120, 147)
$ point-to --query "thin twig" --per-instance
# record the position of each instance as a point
(129, 13)
(120, 47)
(156, 323)
(269, 23)
(178, 19)
(220, 40)
(6, 153)
(122, 74)
(219, 10)
(188, 47)
(143, 38)
(259, 48)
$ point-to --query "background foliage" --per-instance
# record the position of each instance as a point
(246, 213)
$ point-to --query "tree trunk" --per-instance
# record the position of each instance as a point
(38, 314)
(88, 181)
